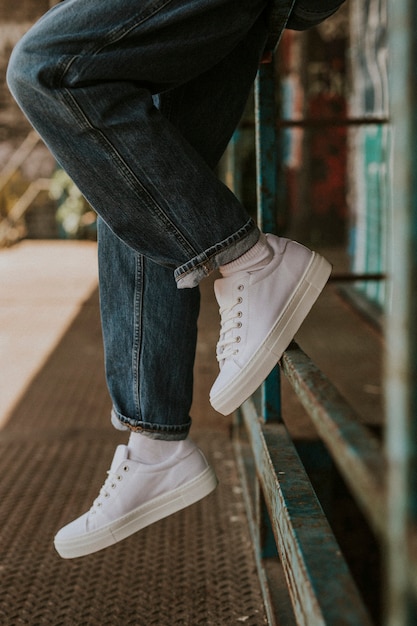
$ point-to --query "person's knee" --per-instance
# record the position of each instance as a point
(29, 69)
(17, 69)
(21, 75)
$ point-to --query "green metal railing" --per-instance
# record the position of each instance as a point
(320, 587)
(382, 478)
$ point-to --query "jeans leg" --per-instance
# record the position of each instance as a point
(149, 335)
(85, 76)
(149, 326)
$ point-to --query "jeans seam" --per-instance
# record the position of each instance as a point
(127, 173)
(71, 102)
(167, 108)
(120, 33)
(112, 37)
(137, 332)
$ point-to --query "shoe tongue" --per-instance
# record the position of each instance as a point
(120, 455)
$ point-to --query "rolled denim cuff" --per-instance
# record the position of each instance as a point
(167, 432)
(190, 274)
(116, 422)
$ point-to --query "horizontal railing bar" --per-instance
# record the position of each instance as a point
(329, 122)
(321, 588)
(354, 449)
(344, 277)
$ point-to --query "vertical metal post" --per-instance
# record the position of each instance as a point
(401, 365)
(229, 165)
(267, 160)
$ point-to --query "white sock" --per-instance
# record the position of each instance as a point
(152, 451)
(253, 259)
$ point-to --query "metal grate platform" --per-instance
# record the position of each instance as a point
(195, 567)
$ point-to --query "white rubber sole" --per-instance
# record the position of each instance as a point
(271, 350)
(139, 518)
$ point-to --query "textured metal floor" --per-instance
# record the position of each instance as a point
(195, 567)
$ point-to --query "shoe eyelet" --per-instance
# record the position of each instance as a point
(239, 325)
(241, 287)
(113, 485)
(239, 300)
(237, 339)
(125, 468)
(239, 314)
(119, 478)
(107, 495)
(99, 504)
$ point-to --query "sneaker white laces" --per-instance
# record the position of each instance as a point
(230, 319)
(112, 480)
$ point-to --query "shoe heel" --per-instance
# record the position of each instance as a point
(308, 291)
(318, 272)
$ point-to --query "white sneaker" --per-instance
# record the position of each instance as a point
(136, 495)
(260, 313)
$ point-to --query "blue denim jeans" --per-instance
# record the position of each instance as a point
(137, 101)
(85, 76)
